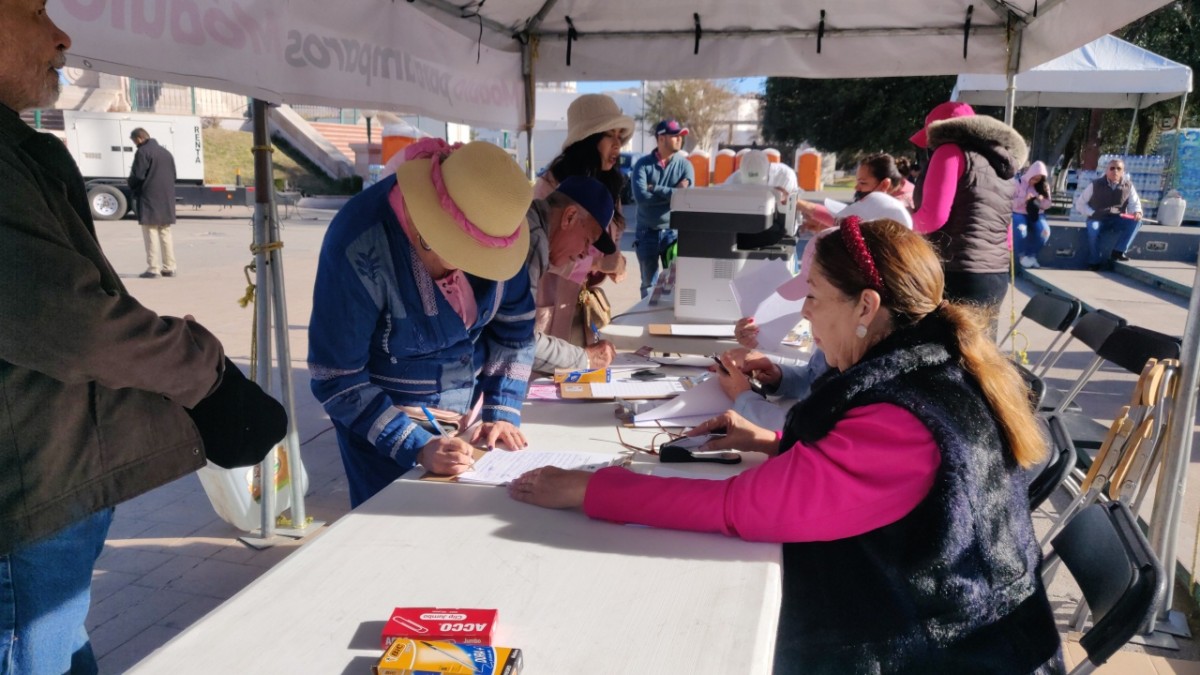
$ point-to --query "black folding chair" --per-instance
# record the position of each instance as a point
(1052, 312)
(1092, 329)
(1122, 580)
(1058, 464)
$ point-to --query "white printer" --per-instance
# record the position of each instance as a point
(723, 231)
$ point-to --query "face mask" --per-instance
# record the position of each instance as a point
(859, 195)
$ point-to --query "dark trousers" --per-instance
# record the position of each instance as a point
(986, 290)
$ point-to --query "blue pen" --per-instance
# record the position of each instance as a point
(595, 332)
(437, 428)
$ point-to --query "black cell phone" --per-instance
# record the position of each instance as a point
(716, 359)
(646, 375)
(675, 453)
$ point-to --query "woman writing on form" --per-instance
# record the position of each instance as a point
(895, 486)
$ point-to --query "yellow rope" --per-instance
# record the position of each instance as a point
(1019, 355)
(248, 298)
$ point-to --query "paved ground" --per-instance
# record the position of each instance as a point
(170, 560)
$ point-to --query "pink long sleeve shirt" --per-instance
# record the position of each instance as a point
(873, 468)
(946, 167)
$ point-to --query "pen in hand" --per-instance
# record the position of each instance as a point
(595, 332)
(437, 428)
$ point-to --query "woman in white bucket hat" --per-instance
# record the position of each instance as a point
(597, 129)
(421, 304)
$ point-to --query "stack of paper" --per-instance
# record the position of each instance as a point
(696, 405)
(756, 293)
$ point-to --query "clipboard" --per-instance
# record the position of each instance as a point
(709, 330)
(653, 389)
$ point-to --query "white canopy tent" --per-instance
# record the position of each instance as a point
(1105, 73)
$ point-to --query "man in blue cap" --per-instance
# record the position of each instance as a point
(655, 178)
(564, 228)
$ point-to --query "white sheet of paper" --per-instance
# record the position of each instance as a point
(753, 288)
(706, 399)
(672, 422)
(632, 361)
(637, 389)
(775, 317)
(499, 467)
(717, 330)
(835, 206)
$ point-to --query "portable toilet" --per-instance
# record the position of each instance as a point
(808, 170)
(699, 160)
(773, 155)
(737, 158)
(722, 166)
(396, 137)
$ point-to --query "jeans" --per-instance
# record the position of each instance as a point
(1023, 243)
(1127, 229)
(45, 590)
(649, 246)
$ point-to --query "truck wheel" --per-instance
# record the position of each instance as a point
(107, 202)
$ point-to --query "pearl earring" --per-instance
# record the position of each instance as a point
(861, 331)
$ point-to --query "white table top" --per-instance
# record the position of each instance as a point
(577, 595)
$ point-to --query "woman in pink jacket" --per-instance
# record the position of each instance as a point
(1030, 201)
(895, 487)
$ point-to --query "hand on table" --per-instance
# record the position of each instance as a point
(446, 456)
(600, 354)
(740, 434)
(551, 487)
(494, 432)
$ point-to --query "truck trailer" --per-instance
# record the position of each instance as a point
(100, 144)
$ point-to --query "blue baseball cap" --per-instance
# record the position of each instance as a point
(594, 198)
(670, 127)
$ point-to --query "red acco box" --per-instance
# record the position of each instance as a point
(464, 626)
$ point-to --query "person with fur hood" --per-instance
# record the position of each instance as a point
(963, 201)
(1029, 204)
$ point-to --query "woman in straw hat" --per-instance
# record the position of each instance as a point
(896, 488)
(596, 131)
(422, 311)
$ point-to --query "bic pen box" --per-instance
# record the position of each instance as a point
(464, 626)
(423, 657)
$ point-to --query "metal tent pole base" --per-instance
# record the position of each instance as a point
(258, 542)
(1157, 639)
(300, 532)
(1175, 624)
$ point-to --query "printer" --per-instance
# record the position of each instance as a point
(724, 231)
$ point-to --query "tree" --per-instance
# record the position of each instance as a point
(851, 116)
(700, 105)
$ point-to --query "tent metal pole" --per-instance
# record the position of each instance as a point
(1015, 36)
(262, 314)
(1168, 500)
(1010, 98)
(1164, 521)
(1133, 123)
(530, 105)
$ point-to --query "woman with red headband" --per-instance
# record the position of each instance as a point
(895, 487)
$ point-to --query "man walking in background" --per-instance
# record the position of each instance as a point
(655, 178)
(152, 179)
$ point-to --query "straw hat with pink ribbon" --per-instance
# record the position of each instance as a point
(468, 202)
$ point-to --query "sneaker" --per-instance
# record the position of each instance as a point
(1027, 261)
(148, 275)
(168, 273)
(1119, 256)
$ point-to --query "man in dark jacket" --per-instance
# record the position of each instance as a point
(97, 393)
(152, 179)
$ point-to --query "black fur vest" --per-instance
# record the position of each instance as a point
(952, 587)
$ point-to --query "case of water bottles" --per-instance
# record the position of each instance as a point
(1183, 174)
(1146, 172)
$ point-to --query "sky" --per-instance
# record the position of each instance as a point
(743, 85)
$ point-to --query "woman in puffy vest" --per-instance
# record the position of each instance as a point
(895, 487)
(963, 201)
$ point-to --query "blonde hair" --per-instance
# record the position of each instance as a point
(913, 288)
